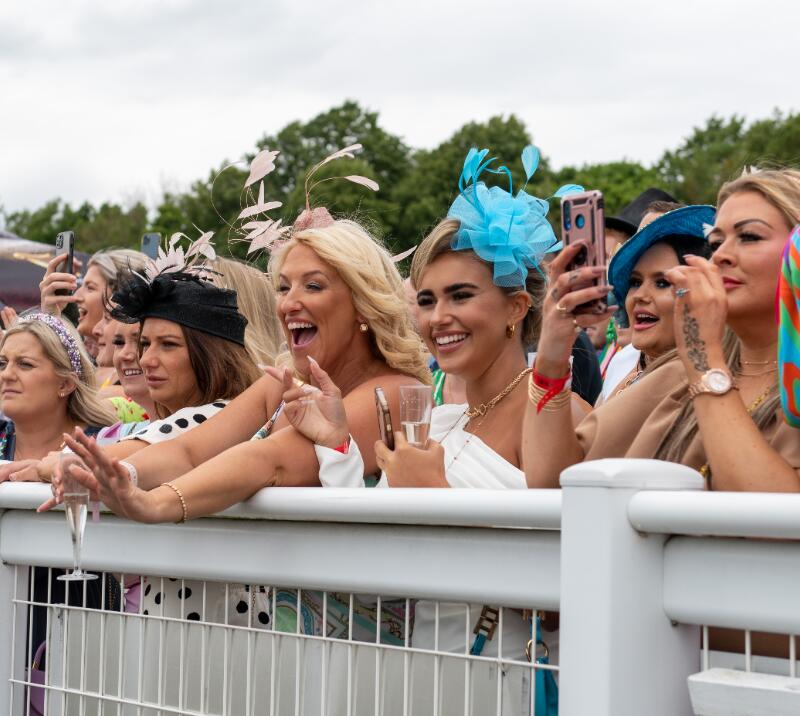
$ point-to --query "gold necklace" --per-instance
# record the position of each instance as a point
(484, 408)
(755, 374)
(758, 362)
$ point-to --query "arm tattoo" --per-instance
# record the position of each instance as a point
(695, 346)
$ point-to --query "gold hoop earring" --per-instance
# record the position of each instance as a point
(363, 327)
(510, 330)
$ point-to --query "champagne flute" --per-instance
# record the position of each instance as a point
(76, 507)
(416, 403)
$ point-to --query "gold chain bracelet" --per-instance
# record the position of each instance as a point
(183, 502)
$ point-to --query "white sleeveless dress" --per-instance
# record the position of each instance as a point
(469, 463)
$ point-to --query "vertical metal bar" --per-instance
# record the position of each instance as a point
(226, 652)
(378, 659)
(533, 667)
(467, 684)
(142, 625)
(792, 657)
(29, 653)
(499, 696)
(297, 655)
(82, 697)
(323, 700)
(437, 660)
(274, 653)
(250, 647)
(161, 644)
(350, 658)
(182, 647)
(104, 584)
(122, 639)
(205, 631)
(48, 612)
(406, 656)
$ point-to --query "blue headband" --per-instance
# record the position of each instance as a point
(510, 232)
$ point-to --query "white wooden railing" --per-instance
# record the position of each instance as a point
(638, 560)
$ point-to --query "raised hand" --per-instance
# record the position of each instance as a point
(701, 308)
(55, 280)
(566, 291)
(316, 412)
(106, 480)
(8, 317)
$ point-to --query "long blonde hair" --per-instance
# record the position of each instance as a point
(84, 405)
(255, 296)
(781, 188)
(375, 285)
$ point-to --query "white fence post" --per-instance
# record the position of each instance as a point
(620, 655)
(13, 635)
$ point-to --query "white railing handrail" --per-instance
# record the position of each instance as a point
(368, 541)
(525, 509)
(717, 514)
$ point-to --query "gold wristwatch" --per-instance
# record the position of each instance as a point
(713, 382)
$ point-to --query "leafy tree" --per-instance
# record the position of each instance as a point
(710, 156)
(95, 228)
(425, 194)
(620, 182)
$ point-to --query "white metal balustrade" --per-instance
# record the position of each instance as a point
(644, 568)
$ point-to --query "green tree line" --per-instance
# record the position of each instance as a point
(417, 186)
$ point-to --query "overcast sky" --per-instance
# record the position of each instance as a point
(116, 100)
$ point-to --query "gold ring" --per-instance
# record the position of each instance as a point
(561, 309)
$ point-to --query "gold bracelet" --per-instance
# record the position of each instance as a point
(558, 401)
(183, 502)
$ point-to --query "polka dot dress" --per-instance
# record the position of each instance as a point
(178, 423)
(183, 599)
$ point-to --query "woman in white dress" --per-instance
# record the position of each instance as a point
(478, 306)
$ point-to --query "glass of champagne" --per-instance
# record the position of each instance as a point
(76, 507)
(416, 403)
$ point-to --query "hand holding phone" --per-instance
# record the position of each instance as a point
(384, 418)
(582, 219)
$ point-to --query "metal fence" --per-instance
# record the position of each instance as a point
(311, 601)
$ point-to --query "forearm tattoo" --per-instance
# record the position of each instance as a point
(695, 346)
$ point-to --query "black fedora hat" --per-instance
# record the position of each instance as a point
(628, 220)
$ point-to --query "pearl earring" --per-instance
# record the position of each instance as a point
(363, 327)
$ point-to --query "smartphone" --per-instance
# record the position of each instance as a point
(582, 219)
(65, 246)
(150, 243)
(384, 418)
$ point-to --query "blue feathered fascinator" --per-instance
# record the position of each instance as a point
(510, 232)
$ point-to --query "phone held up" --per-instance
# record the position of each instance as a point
(150, 243)
(582, 219)
(65, 246)
(384, 418)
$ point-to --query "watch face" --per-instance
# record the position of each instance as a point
(718, 381)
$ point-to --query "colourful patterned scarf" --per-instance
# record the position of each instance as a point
(789, 329)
